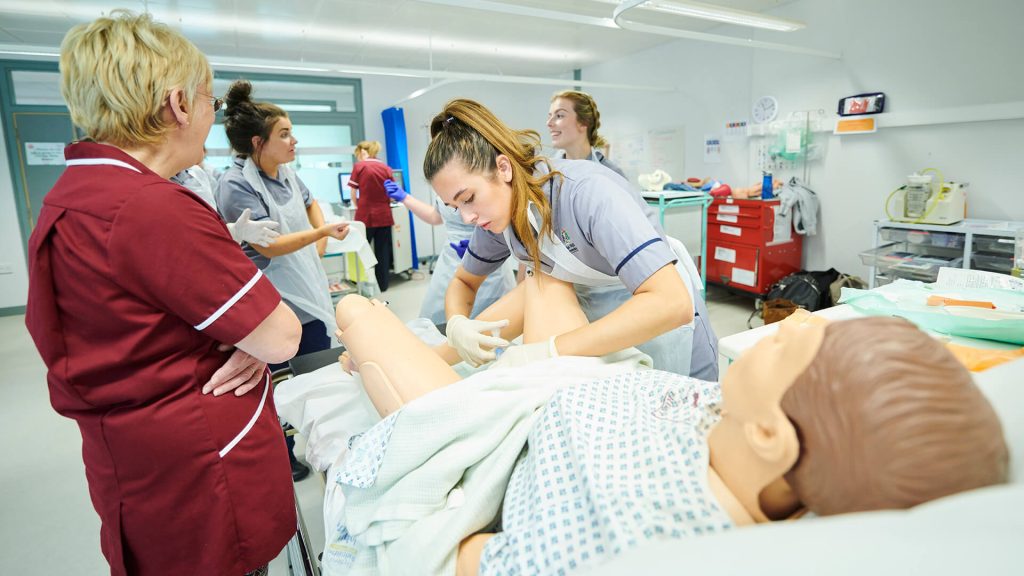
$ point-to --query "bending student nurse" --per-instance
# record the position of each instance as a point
(497, 284)
(575, 221)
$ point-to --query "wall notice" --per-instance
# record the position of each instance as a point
(44, 153)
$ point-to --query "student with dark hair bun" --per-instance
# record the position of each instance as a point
(261, 180)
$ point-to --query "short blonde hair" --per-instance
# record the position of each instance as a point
(371, 147)
(116, 73)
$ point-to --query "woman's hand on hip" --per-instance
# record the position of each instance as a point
(241, 373)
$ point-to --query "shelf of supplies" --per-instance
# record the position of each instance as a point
(917, 251)
(926, 237)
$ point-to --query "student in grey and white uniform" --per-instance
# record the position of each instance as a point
(573, 120)
(497, 284)
(261, 180)
(580, 223)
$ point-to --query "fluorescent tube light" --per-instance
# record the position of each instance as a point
(726, 15)
(718, 14)
(306, 107)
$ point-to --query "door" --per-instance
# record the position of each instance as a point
(40, 138)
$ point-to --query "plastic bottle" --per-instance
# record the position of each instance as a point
(767, 193)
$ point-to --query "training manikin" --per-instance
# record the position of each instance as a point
(817, 416)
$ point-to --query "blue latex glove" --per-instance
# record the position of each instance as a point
(395, 192)
(461, 247)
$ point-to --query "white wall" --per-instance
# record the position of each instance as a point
(924, 55)
(13, 287)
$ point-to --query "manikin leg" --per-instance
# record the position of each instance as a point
(395, 365)
(509, 307)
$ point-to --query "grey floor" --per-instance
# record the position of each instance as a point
(48, 523)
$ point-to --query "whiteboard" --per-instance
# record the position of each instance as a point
(645, 152)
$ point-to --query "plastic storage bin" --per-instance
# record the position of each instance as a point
(992, 262)
(923, 237)
(997, 244)
(910, 260)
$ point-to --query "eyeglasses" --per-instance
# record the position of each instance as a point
(217, 103)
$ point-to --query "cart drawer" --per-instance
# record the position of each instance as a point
(733, 264)
(994, 244)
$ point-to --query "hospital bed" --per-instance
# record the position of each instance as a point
(973, 532)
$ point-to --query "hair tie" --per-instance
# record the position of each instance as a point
(449, 120)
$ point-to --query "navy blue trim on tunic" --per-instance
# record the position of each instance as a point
(471, 253)
(634, 253)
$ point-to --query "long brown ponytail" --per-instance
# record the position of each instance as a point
(467, 131)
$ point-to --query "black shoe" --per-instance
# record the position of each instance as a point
(299, 471)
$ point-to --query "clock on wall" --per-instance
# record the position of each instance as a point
(765, 109)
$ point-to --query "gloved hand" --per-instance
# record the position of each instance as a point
(395, 192)
(515, 356)
(261, 232)
(467, 338)
(461, 247)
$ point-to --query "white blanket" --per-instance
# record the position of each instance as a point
(436, 472)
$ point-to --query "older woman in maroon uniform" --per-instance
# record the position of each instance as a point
(137, 293)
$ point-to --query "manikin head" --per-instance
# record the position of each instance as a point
(858, 415)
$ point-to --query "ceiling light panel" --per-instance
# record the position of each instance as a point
(716, 13)
(201, 25)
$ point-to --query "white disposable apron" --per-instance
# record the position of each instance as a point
(299, 276)
(689, 350)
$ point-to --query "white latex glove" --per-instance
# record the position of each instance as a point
(515, 356)
(467, 337)
(261, 233)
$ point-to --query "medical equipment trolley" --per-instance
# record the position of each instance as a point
(751, 244)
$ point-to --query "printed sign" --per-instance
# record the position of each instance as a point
(727, 218)
(729, 209)
(44, 153)
(747, 277)
(725, 254)
(731, 230)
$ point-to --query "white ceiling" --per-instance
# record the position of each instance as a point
(387, 33)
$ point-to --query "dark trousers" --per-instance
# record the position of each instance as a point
(314, 339)
(380, 238)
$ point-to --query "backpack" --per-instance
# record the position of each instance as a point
(807, 290)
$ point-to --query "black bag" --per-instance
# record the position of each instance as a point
(808, 290)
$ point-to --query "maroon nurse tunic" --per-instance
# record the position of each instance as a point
(134, 281)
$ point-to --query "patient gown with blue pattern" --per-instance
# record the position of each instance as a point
(610, 465)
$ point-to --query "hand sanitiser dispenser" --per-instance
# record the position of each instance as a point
(922, 200)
